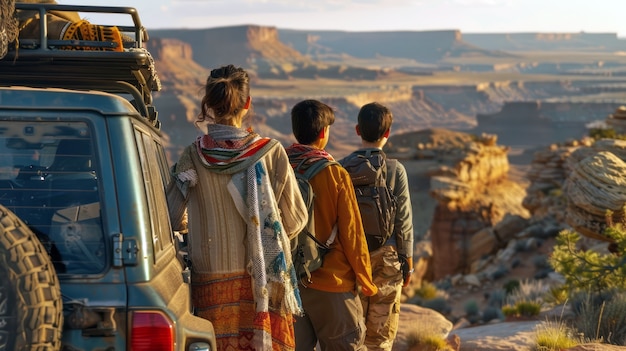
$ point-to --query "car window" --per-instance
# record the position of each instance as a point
(151, 157)
(49, 179)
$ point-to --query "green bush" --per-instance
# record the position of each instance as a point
(471, 308)
(511, 285)
(605, 133)
(522, 309)
(557, 295)
(528, 308)
(602, 133)
(589, 270)
(509, 311)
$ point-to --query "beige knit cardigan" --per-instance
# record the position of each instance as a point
(217, 233)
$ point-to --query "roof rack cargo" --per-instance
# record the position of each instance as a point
(83, 63)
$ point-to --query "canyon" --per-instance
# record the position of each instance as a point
(529, 89)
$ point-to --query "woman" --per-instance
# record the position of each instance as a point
(237, 195)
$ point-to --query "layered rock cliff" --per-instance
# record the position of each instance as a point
(422, 46)
(472, 193)
(592, 42)
(255, 47)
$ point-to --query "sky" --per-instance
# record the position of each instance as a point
(468, 16)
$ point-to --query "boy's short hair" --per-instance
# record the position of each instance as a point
(308, 118)
(374, 120)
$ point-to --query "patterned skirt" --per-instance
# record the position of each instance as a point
(227, 301)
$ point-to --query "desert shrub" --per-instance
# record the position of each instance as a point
(490, 313)
(471, 308)
(601, 316)
(528, 308)
(496, 298)
(554, 336)
(557, 295)
(541, 262)
(605, 133)
(472, 311)
(429, 296)
(439, 304)
(511, 285)
(520, 246)
(418, 339)
(499, 272)
(589, 270)
(509, 310)
(427, 291)
(528, 291)
(522, 308)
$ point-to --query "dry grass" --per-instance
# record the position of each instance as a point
(554, 336)
(425, 341)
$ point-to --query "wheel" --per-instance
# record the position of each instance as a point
(31, 308)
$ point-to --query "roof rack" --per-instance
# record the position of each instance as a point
(84, 64)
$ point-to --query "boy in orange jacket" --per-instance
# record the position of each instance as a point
(333, 314)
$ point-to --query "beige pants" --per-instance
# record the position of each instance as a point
(382, 311)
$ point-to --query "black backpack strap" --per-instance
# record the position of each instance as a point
(392, 164)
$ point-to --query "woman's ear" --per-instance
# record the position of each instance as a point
(386, 135)
(248, 102)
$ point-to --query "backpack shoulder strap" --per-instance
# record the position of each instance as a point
(316, 167)
(392, 164)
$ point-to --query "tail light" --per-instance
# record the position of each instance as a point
(151, 331)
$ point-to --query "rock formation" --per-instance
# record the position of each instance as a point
(596, 188)
(473, 192)
(548, 171)
(579, 183)
(257, 48)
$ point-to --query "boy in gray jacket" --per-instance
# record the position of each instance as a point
(392, 263)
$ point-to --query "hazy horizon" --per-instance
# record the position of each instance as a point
(468, 16)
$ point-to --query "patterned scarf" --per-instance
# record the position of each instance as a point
(270, 264)
(304, 156)
(226, 149)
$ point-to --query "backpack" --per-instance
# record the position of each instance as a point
(306, 250)
(370, 173)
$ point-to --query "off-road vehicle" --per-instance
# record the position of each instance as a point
(88, 258)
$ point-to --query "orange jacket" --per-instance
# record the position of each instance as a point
(348, 261)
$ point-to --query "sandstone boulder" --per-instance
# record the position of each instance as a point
(416, 321)
(596, 193)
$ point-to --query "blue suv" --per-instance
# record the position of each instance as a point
(88, 258)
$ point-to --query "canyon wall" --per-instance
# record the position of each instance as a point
(418, 100)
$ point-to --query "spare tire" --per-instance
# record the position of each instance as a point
(30, 295)
(8, 25)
